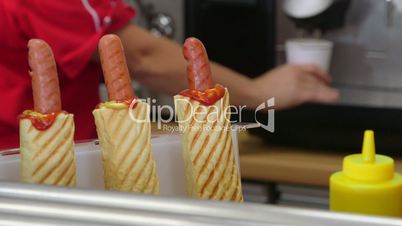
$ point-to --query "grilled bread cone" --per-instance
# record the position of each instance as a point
(126, 149)
(47, 157)
(211, 169)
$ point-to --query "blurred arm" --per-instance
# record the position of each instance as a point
(159, 64)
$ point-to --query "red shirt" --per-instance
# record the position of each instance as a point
(72, 28)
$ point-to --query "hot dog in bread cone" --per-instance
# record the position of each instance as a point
(203, 114)
(126, 148)
(123, 127)
(46, 133)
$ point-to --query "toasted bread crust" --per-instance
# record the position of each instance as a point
(211, 169)
(47, 157)
(126, 149)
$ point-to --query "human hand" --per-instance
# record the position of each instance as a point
(293, 85)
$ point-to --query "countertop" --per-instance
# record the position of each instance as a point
(260, 161)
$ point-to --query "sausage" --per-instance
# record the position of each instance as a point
(45, 82)
(198, 70)
(114, 66)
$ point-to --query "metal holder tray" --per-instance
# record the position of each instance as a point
(25, 204)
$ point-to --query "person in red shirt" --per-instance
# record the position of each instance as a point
(73, 28)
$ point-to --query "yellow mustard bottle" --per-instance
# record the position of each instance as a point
(367, 183)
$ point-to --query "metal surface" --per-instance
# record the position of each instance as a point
(366, 58)
(20, 220)
(148, 10)
(306, 8)
(23, 203)
(158, 23)
(390, 12)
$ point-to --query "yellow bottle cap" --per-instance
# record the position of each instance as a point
(368, 166)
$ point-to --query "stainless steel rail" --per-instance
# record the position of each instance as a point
(25, 204)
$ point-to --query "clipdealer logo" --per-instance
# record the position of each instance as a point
(269, 104)
(164, 114)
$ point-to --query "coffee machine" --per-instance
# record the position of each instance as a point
(316, 16)
(365, 63)
(365, 68)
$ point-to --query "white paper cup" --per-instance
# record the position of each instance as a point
(309, 51)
